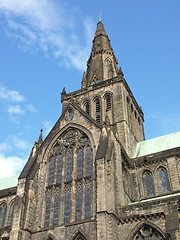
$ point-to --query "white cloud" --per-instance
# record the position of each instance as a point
(52, 26)
(31, 108)
(15, 109)
(5, 147)
(20, 143)
(10, 95)
(10, 165)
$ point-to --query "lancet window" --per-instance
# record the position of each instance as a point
(108, 103)
(164, 180)
(70, 169)
(98, 110)
(87, 107)
(148, 183)
(3, 213)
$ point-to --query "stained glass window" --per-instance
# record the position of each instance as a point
(80, 163)
(56, 209)
(4, 216)
(78, 204)
(164, 183)
(149, 186)
(69, 166)
(59, 169)
(51, 172)
(88, 202)
(48, 211)
(67, 208)
(88, 155)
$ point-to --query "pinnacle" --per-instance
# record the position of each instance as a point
(40, 140)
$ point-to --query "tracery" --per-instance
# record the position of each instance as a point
(69, 174)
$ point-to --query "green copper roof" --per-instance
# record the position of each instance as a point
(157, 145)
(8, 182)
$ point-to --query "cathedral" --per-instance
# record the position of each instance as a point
(95, 177)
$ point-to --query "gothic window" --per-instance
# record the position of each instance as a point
(79, 163)
(59, 169)
(87, 108)
(61, 173)
(3, 213)
(148, 232)
(51, 171)
(88, 158)
(88, 202)
(56, 209)
(4, 216)
(67, 207)
(48, 211)
(164, 180)
(79, 204)
(108, 103)
(69, 165)
(148, 183)
(98, 110)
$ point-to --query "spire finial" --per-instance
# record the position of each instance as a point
(100, 16)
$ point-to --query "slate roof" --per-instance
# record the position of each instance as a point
(158, 144)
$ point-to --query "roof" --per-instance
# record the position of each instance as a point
(156, 145)
(8, 182)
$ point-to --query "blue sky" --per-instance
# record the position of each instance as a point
(44, 46)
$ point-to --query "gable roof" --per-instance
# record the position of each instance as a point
(156, 145)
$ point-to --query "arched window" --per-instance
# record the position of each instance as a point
(149, 183)
(164, 180)
(71, 150)
(108, 103)
(98, 110)
(3, 213)
(87, 108)
(4, 217)
(146, 231)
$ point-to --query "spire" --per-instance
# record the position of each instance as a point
(40, 140)
(102, 63)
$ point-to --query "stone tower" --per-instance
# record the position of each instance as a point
(95, 176)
